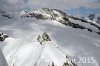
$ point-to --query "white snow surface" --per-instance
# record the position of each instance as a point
(23, 49)
(3, 61)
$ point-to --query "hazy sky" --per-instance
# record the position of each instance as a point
(81, 6)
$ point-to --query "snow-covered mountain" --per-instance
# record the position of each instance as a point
(93, 18)
(58, 15)
(69, 38)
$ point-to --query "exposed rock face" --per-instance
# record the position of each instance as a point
(3, 36)
(43, 38)
(91, 16)
(7, 15)
(24, 14)
(98, 19)
(71, 64)
(46, 13)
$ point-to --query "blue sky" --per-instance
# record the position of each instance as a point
(73, 6)
(83, 11)
(69, 6)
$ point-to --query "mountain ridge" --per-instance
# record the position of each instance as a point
(63, 18)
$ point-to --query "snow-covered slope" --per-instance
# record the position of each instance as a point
(3, 61)
(67, 42)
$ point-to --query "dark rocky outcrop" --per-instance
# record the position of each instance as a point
(91, 16)
(3, 36)
(7, 15)
(98, 19)
(43, 38)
